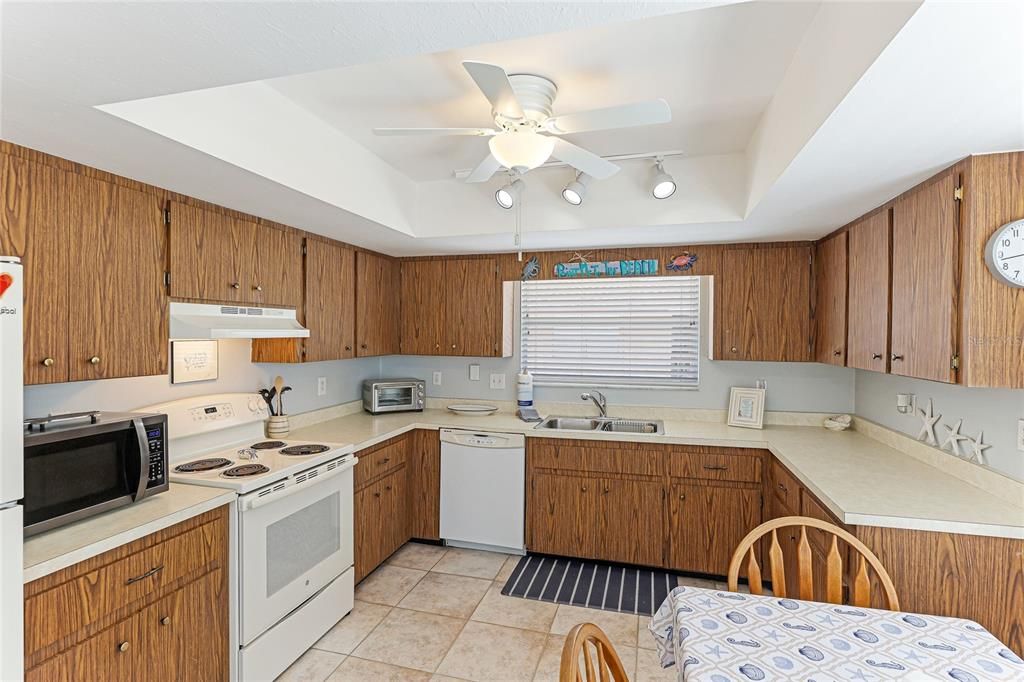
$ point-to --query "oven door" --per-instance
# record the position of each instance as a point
(294, 539)
(394, 397)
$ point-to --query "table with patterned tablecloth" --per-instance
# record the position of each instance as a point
(715, 636)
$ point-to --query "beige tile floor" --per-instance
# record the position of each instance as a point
(432, 613)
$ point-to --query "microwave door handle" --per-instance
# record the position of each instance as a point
(140, 432)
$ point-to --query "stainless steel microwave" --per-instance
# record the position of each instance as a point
(393, 395)
(81, 464)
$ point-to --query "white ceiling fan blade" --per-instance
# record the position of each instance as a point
(486, 168)
(479, 132)
(493, 82)
(625, 116)
(580, 159)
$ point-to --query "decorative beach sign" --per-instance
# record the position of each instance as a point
(607, 268)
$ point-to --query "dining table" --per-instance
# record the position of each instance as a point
(719, 636)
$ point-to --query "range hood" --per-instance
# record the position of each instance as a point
(205, 321)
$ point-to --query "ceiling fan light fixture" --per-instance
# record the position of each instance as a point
(576, 190)
(507, 195)
(664, 184)
(521, 150)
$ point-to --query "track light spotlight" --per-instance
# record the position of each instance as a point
(664, 185)
(577, 189)
(509, 194)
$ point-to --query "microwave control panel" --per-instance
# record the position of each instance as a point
(156, 437)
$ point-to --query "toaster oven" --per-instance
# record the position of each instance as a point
(393, 395)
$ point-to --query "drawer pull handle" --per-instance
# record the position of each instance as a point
(123, 646)
(783, 488)
(148, 574)
(385, 460)
(716, 467)
(166, 620)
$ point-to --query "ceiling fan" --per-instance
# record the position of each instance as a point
(527, 134)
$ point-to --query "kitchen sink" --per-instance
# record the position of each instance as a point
(608, 424)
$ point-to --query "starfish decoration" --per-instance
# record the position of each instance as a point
(929, 420)
(954, 438)
(980, 446)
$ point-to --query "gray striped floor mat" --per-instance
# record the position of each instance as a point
(593, 584)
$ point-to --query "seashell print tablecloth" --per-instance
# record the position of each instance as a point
(714, 636)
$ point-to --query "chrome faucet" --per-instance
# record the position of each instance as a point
(599, 400)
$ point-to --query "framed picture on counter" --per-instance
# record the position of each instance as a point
(746, 407)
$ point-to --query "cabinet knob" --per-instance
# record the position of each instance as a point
(257, 287)
(236, 285)
(386, 460)
(837, 353)
(376, 494)
(348, 347)
(94, 360)
(363, 346)
(47, 362)
(583, 488)
(876, 356)
(166, 620)
(387, 487)
(453, 346)
(682, 496)
(607, 489)
(123, 646)
(734, 349)
(896, 357)
(783, 488)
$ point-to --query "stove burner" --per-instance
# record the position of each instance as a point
(203, 465)
(245, 470)
(311, 449)
(268, 445)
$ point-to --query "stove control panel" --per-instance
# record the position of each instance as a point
(212, 413)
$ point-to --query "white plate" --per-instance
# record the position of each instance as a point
(478, 410)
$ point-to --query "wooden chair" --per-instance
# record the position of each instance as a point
(860, 591)
(588, 642)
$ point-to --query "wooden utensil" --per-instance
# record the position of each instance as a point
(278, 385)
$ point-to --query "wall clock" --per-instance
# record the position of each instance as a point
(1004, 254)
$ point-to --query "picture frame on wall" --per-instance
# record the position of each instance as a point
(193, 361)
(746, 407)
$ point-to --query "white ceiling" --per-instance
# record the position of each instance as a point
(795, 117)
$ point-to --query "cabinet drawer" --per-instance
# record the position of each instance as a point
(785, 486)
(380, 459)
(71, 607)
(715, 466)
(595, 456)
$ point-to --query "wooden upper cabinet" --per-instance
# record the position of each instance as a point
(276, 276)
(330, 301)
(423, 307)
(118, 326)
(867, 340)
(34, 227)
(377, 289)
(763, 304)
(472, 300)
(209, 253)
(925, 228)
(830, 300)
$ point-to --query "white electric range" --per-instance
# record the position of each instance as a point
(292, 569)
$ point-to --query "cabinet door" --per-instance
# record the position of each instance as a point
(472, 304)
(369, 530)
(925, 228)
(830, 301)
(424, 472)
(633, 522)
(564, 515)
(423, 308)
(118, 324)
(212, 255)
(870, 242)
(707, 523)
(108, 656)
(276, 277)
(788, 540)
(185, 635)
(34, 227)
(395, 511)
(763, 304)
(377, 289)
(330, 301)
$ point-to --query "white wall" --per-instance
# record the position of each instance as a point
(237, 374)
(994, 411)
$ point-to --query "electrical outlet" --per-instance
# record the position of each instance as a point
(474, 372)
(1020, 435)
(437, 378)
(321, 385)
(497, 381)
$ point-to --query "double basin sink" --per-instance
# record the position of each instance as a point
(607, 424)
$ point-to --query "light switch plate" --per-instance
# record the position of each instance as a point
(321, 385)
(1020, 435)
(497, 381)
(474, 372)
(437, 378)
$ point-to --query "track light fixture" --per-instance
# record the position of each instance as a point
(509, 194)
(664, 184)
(577, 189)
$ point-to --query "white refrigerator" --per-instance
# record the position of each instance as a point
(11, 468)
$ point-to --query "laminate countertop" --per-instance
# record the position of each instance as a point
(57, 549)
(862, 481)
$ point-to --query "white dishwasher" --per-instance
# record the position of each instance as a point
(483, 490)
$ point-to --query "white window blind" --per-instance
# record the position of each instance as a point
(631, 332)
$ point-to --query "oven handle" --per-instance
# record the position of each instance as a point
(256, 502)
(140, 433)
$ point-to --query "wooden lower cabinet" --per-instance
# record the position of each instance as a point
(633, 521)
(563, 515)
(88, 622)
(381, 521)
(707, 521)
(424, 472)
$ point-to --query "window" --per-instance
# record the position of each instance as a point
(626, 332)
